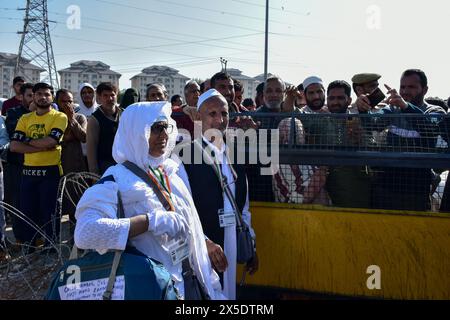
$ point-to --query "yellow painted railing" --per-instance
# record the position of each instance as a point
(329, 251)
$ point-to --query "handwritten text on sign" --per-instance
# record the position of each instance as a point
(92, 290)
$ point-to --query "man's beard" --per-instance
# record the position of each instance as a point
(42, 106)
(311, 105)
(417, 100)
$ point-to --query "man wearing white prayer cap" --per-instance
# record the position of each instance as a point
(314, 95)
(209, 94)
(209, 197)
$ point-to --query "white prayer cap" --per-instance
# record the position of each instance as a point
(311, 80)
(206, 95)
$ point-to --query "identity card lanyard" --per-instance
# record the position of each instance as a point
(224, 218)
(177, 248)
(162, 181)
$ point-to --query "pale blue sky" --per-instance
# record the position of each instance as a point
(327, 38)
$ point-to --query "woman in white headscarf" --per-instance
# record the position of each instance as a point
(87, 105)
(146, 137)
(86, 100)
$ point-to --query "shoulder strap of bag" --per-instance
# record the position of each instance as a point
(224, 185)
(112, 276)
(143, 175)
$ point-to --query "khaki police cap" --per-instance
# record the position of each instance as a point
(362, 78)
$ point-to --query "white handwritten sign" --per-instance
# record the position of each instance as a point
(92, 290)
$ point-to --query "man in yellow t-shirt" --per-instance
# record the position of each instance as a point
(38, 136)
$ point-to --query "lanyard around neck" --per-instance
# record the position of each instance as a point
(223, 181)
(217, 166)
(163, 184)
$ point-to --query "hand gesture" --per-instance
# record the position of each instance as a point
(394, 99)
(246, 122)
(363, 103)
(292, 94)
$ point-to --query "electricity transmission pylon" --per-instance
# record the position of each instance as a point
(36, 44)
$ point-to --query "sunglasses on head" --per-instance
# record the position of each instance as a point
(158, 128)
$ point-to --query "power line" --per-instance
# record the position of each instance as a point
(132, 48)
(146, 48)
(203, 20)
(272, 8)
(233, 14)
(178, 16)
(147, 28)
(153, 36)
(176, 65)
(150, 48)
(202, 58)
(176, 43)
(190, 18)
(171, 62)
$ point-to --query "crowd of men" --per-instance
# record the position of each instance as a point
(45, 135)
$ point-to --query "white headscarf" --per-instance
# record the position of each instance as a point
(83, 108)
(130, 144)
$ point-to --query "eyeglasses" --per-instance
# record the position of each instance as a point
(159, 128)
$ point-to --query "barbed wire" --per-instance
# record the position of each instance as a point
(29, 269)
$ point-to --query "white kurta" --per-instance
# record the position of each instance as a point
(229, 279)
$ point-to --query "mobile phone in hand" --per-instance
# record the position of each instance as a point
(376, 97)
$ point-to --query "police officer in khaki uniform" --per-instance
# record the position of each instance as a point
(363, 84)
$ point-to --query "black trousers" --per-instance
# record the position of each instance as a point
(39, 188)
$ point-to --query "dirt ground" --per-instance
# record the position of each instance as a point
(28, 276)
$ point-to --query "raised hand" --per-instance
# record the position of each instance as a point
(394, 99)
